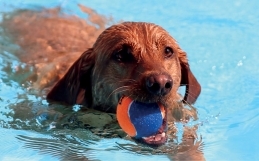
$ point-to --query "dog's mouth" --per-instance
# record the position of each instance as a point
(159, 138)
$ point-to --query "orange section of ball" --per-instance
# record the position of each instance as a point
(123, 116)
(162, 108)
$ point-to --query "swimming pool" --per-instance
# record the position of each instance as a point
(221, 39)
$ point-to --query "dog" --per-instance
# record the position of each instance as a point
(136, 59)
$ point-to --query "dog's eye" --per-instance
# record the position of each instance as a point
(168, 52)
(124, 55)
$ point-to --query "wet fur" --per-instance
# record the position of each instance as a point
(98, 81)
(95, 79)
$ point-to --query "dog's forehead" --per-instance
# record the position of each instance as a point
(141, 32)
(136, 34)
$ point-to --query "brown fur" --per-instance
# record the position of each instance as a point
(104, 80)
(96, 79)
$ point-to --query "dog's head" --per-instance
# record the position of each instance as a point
(139, 60)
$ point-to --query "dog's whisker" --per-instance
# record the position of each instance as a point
(118, 90)
(187, 103)
(127, 80)
(111, 95)
(190, 94)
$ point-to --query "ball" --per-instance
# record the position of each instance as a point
(139, 119)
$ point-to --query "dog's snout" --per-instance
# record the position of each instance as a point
(159, 84)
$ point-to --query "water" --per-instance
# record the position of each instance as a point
(221, 39)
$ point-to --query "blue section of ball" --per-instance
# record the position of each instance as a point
(146, 118)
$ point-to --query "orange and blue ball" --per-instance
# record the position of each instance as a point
(139, 119)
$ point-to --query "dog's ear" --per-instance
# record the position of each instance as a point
(75, 86)
(193, 88)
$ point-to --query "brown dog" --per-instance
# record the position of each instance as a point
(139, 60)
(136, 59)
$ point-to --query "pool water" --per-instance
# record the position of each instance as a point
(222, 42)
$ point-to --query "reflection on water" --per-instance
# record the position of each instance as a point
(30, 63)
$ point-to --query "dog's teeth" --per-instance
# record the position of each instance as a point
(163, 134)
(149, 137)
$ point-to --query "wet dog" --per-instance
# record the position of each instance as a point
(135, 59)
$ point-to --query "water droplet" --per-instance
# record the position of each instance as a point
(44, 102)
(76, 108)
(240, 63)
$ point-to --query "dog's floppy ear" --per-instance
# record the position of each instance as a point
(76, 83)
(193, 88)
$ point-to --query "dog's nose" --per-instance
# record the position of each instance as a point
(159, 84)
